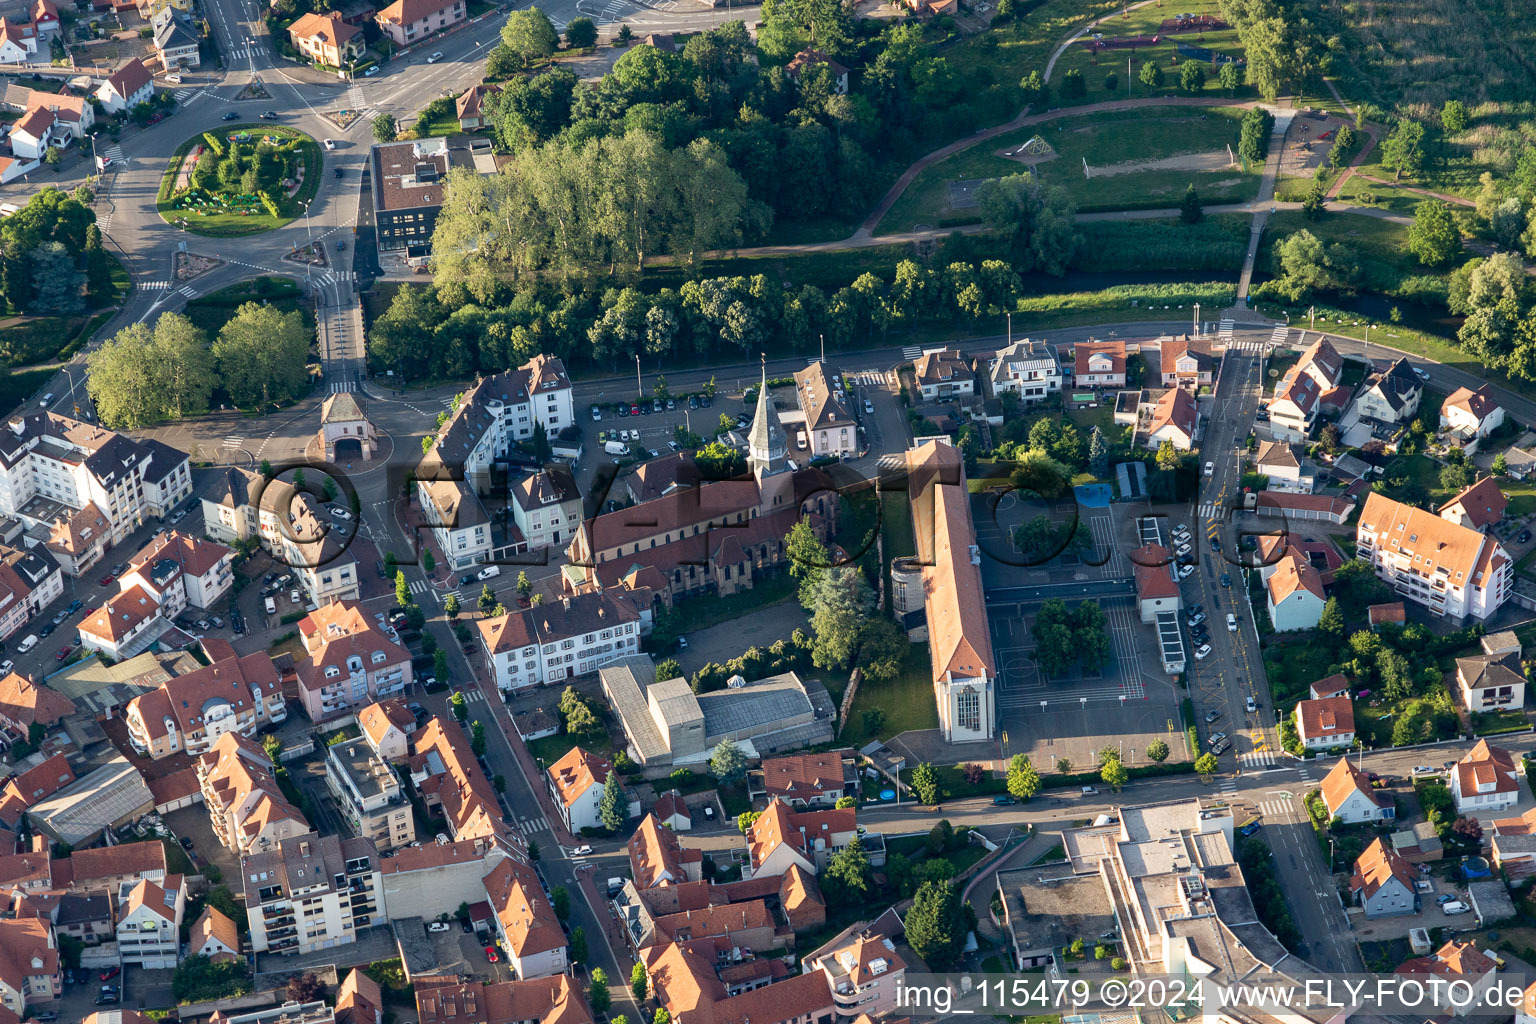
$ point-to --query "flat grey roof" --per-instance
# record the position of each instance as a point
(625, 682)
(771, 699)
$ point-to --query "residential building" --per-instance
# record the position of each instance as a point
(813, 58)
(485, 427)
(1451, 569)
(657, 857)
(36, 132)
(387, 726)
(1321, 362)
(1326, 724)
(1029, 369)
(863, 977)
(1187, 363)
(86, 916)
(349, 662)
(188, 713)
(72, 112)
(45, 17)
(1294, 593)
(1099, 364)
(112, 867)
(127, 87)
(1456, 962)
(77, 541)
(1156, 589)
(1383, 882)
(215, 936)
(1294, 407)
(1175, 419)
(781, 837)
(368, 794)
(246, 806)
(27, 787)
(1347, 792)
(557, 640)
(239, 504)
(692, 985)
(177, 44)
(406, 22)
(1485, 780)
(473, 105)
(125, 625)
(311, 892)
(825, 425)
(548, 1000)
(807, 781)
(1479, 506)
(963, 667)
(546, 506)
(17, 42)
(24, 704)
(149, 923)
(526, 923)
(445, 774)
(1469, 415)
(52, 466)
(576, 786)
(1491, 682)
(29, 965)
(419, 881)
(410, 182)
(1284, 467)
(359, 1000)
(30, 580)
(1513, 844)
(943, 373)
(672, 811)
(179, 571)
(1391, 395)
(345, 430)
(327, 39)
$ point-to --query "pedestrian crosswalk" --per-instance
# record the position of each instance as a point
(1207, 510)
(912, 352)
(1276, 808)
(234, 440)
(1224, 329)
(155, 286)
(1256, 347)
(1279, 335)
(532, 825)
(114, 153)
(188, 291)
(1229, 786)
(338, 386)
(185, 96)
(868, 378)
(420, 586)
(473, 695)
(1257, 758)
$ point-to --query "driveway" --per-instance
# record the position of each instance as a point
(728, 640)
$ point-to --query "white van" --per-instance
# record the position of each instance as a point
(616, 448)
(46, 399)
(271, 606)
(489, 572)
(27, 644)
(1455, 907)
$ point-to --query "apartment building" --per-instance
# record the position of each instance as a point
(246, 806)
(311, 892)
(694, 985)
(824, 423)
(863, 976)
(491, 418)
(445, 773)
(349, 662)
(420, 881)
(1452, 570)
(149, 923)
(29, 965)
(963, 666)
(1029, 369)
(30, 580)
(526, 925)
(188, 713)
(180, 571)
(546, 506)
(327, 38)
(557, 640)
(52, 466)
(406, 22)
(369, 795)
(112, 867)
(781, 837)
(293, 525)
(576, 784)
(1293, 592)
(1391, 395)
(387, 726)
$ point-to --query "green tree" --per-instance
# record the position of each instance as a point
(1402, 152)
(935, 925)
(580, 33)
(925, 783)
(402, 589)
(1191, 76)
(1331, 619)
(1453, 116)
(1190, 209)
(458, 705)
(560, 902)
(1453, 477)
(529, 35)
(1229, 77)
(385, 128)
(639, 985)
(1316, 204)
(1433, 237)
(611, 806)
(1500, 465)
(1098, 453)
(1157, 751)
(1036, 94)
(1206, 766)
(1114, 774)
(451, 606)
(1073, 85)
(579, 945)
(487, 599)
(476, 738)
(524, 585)
(1038, 219)
(728, 763)
(262, 355)
(808, 559)
(1168, 457)
(662, 1016)
(745, 819)
(142, 376)
(273, 746)
(1343, 142)
(1023, 780)
(1151, 75)
(848, 880)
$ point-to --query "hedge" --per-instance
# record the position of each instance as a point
(1148, 771)
(213, 143)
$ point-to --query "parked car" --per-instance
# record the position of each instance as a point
(581, 851)
(439, 926)
(1525, 535)
(47, 630)
(436, 56)
(65, 651)
(1454, 907)
(1422, 769)
(597, 414)
(869, 407)
(1444, 897)
(1090, 791)
(27, 644)
(107, 580)
(1203, 652)
(341, 513)
(1231, 623)
(293, 595)
(1211, 716)
(1226, 580)
(6, 666)
(1196, 619)
(490, 954)
(1002, 801)
(1250, 705)
(1186, 571)
(1216, 737)
(682, 643)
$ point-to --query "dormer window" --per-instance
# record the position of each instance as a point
(331, 671)
(378, 657)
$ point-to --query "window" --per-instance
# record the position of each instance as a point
(968, 709)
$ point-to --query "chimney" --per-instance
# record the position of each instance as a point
(39, 844)
(567, 602)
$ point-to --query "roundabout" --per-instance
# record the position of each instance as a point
(243, 179)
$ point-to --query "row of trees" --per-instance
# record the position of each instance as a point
(52, 259)
(145, 375)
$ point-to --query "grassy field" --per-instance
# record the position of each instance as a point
(17, 387)
(906, 700)
(226, 223)
(212, 311)
(1102, 139)
(1145, 21)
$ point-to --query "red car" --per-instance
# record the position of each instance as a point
(106, 580)
(491, 955)
(634, 410)
(65, 651)
(110, 973)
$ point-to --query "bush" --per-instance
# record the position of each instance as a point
(214, 143)
(200, 980)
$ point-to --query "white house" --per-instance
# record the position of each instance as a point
(1186, 362)
(576, 784)
(127, 87)
(34, 133)
(943, 373)
(149, 923)
(1099, 364)
(1383, 882)
(1485, 780)
(1175, 418)
(1490, 683)
(1460, 963)
(1468, 414)
(526, 924)
(546, 506)
(17, 42)
(781, 837)
(1294, 593)
(1028, 369)
(1451, 569)
(1348, 795)
(1283, 466)
(1479, 506)
(1326, 723)
(1293, 409)
(553, 641)
(1391, 395)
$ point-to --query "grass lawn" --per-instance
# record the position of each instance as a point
(1521, 495)
(1491, 723)
(953, 785)
(1292, 667)
(227, 223)
(443, 126)
(16, 388)
(212, 311)
(1101, 139)
(906, 700)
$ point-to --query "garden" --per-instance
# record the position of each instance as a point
(242, 181)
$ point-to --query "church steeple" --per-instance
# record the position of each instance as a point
(767, 447)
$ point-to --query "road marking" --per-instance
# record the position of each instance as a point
(1257, 758)
(912, 353)
(188, 291)
(532, 825)
(234, 441)
(155, 286)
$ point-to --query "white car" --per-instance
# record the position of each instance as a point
(581, 851)
(488, 572)
(6, 666)
(1231, 623)
(27, 644)
(869, 407)
(1250, 705)
(1210, 469)
(1180, 531)
(1186, 571)
(597, 414)
(682, 643)
(293, 595)
(341, 513)
(1422, 374)
(437, 56)
(1202, 652)
(1183, 549)
(439, 926)
(330, 143)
